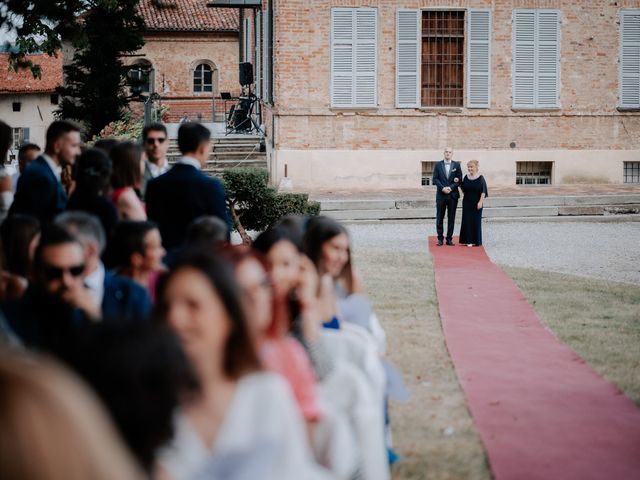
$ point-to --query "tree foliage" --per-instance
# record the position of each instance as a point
(255, 205)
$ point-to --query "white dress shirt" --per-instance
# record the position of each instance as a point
(186, 160)
(55, 168)
(95, 282)
(447, 167)
(155, 170)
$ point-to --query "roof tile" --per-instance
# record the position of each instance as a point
(187, 16)
(23, 81)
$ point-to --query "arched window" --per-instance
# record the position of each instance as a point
(203, 78)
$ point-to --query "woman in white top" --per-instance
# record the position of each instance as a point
(244, 423)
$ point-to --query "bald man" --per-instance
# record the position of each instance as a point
(447, 177)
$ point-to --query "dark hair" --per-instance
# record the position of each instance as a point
(6, 139)
(106, 144)
(267, 239)
(207, 232)
(153, 127)
(320, 230)
(141, 374)
(92, 173)
(57, 130)
(240, 356)
(126, 165)
(127, 239)
(23, 151)
(191, 135)
(53, 235)
(294, 225)
(17, 232)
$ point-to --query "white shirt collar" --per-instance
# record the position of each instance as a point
(155, 170)
(55, 168)
(95, 282)
(186, 160)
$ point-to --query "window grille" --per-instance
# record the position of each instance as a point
(18, 138)
(427, 173)
(443, 58)
(631, 172)
(203, 78)
(533, 173)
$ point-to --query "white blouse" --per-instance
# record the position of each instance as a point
(262, 436)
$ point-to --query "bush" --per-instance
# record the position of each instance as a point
(255, 205)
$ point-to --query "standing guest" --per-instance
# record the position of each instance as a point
(57, 305)
(184, 193)
(122, 301)
(209, 233)
(475, 191)
(27, 153)
(93, 172)
(156, 145)
(106, 144)
(54, 428)
(20, 237)
(126, 180)
(244, 422)
(39, 191)
(6, 188)
(447, 176)
(136, 252)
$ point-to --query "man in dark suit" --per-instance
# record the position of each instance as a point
(156, 145)
(447, 177)
(184, 193)
(122, 300)
(39, 192)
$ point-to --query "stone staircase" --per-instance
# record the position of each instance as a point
(495, 207)
(228, 152)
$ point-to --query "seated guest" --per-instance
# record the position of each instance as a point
(26, 154)
(92, 175)
(156, 144)
(54, 428)
(20, 236)
(209, 233)
(243, 422)
(126, 179)
(136, 252)
(57, 305)
(39, 192)
(184, 193)
(122, 300)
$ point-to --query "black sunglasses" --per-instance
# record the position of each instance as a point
(55, 273)
(151, 140)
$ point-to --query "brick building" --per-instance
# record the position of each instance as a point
(367, 93)
(192, 53)
(27, 104)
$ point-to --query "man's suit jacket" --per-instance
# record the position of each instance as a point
(179, 196)
(441, 180)
(39, 193)
(124, 301)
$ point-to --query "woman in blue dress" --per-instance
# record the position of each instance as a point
(475, 191)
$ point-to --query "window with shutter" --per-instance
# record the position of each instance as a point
(479, 59)
(629, 59)
(408, 58)
(354, 57)
(536, 58)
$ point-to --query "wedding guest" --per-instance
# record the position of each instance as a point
(106, 144)
(475, 191)
(6, 186)
(207, 232)
(92, 176)
(26, 154)
(20, 237)
(136, 252)
(244, 421)
(53, 427)
(447, 176)
(156, 144)
(126, 180)
(39, 192)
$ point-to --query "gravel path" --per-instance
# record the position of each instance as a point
(609, 251)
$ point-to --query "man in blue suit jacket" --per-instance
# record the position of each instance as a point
(447, 177)
(122, 300)
(39, 192)
(184, 193)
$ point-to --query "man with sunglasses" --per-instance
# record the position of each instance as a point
(57, 305)
(156, 144)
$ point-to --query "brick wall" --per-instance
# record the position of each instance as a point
(587, 118)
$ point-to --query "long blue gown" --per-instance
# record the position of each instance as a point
(471, 228)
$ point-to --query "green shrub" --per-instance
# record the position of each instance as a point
(255, 205)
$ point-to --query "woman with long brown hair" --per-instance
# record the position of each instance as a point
(126, 180)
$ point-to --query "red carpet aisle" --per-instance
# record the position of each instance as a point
(541, 411)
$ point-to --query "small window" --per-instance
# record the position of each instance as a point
(18, 138)
(54, 99)
(631, 172)
(203, 78)
(427, 172)
(16, 106)
(533, 173)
